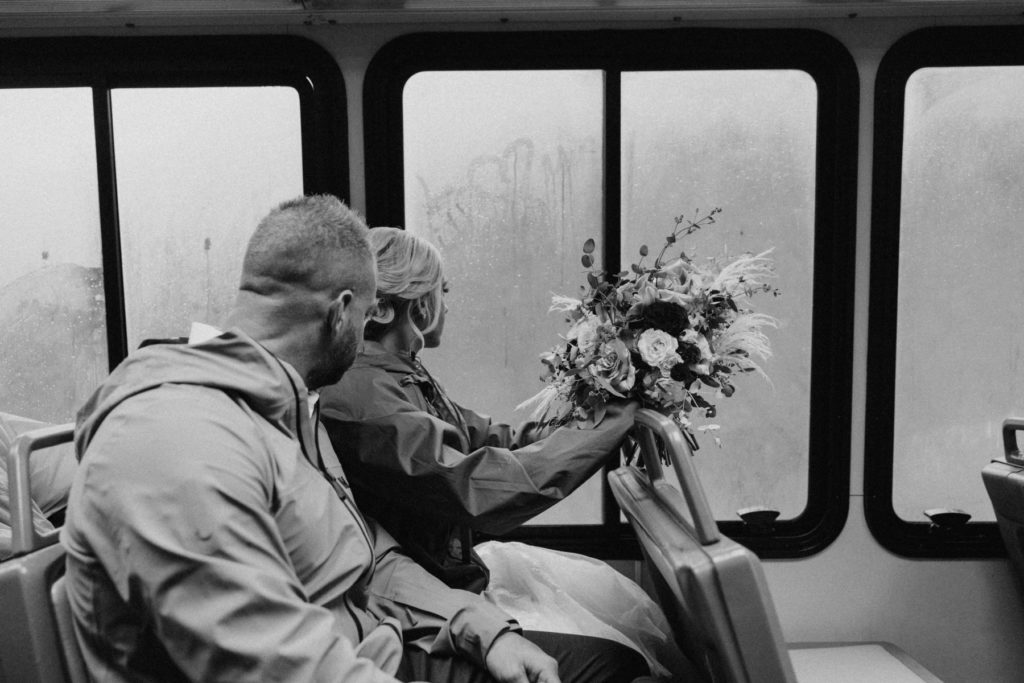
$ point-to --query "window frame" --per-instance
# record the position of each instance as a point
(103, 64)
(928, 47)
(616, 51)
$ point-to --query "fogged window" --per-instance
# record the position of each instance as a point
(503, 171)
(53, 347)
(196, 170)
(958, 357)
(743, 141)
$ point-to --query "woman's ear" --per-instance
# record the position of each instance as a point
(423, 308)
(421, 312)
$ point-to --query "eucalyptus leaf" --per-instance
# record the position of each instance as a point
(606, 385)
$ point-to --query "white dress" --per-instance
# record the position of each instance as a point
(551, 590)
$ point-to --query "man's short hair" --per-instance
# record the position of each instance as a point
(315, 243)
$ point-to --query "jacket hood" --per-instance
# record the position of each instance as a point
(231, 362)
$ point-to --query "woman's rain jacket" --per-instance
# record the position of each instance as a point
(430, 470)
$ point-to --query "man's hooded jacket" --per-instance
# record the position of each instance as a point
(203, 542)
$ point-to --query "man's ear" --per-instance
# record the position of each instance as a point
(339, 310)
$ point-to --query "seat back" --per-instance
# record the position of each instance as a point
(66, 632)
(712, 589)
(24, 536)
(1004, 482)
(30, 646)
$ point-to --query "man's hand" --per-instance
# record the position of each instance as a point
(514, 659)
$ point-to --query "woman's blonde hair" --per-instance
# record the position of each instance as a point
(409, 278)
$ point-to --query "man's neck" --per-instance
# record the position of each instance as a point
(290, 343)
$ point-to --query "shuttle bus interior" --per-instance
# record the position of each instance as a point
(875, 146)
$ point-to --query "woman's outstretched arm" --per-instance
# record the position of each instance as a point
(408, 457)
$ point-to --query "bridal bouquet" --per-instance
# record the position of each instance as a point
(673, 333)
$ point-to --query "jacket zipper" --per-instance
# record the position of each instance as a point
(335, 484)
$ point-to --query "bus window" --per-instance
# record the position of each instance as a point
(166, 151)
(944, 350)
(189, 196)
(743, 140)
(495, 187)
(510, 150)
(957, 373)
(53, 347)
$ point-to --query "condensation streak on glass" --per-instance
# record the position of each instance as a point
(196, 170)
(958, 351)
(503, 172)
(743, 141)
(53, 347)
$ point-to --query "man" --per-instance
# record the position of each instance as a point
(204, 540)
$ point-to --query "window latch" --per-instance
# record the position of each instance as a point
(759, 520)
(947, 519)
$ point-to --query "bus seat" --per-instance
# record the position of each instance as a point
(52, 470)
(66, 631)
(30, 645)
(713, 590)
(1004, 482)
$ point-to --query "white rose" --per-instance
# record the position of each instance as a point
(585, 333)
(656, 347)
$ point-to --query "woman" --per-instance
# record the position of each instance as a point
(427, 469)
(431, 471)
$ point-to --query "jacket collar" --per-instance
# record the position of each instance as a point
(374, 355)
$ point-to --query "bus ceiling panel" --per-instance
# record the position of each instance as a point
(219, 12)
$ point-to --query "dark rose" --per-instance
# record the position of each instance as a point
(665, 315)
(690, 353)
(679, 372)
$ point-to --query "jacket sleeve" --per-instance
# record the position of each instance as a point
(433, 617)
(407, 454)
(483, 431)
(183, 522)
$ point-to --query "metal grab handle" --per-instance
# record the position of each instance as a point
(24, 537)
(653, 424)
(1011, 426)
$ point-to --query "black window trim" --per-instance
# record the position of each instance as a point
(614, 51)
(928, 47)
(105, 63)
